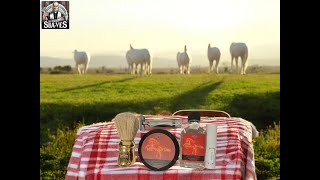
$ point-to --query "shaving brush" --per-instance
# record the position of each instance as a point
(127, 125)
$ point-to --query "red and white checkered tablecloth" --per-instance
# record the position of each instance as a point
(95, 153)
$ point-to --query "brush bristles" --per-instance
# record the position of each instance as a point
(127, 125)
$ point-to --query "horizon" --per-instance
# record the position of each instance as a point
(115, 61)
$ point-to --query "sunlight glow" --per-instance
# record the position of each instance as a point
(104, 26)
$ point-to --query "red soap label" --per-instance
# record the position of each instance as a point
(193, 146)
(158, 146)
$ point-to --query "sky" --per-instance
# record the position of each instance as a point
(165, 26)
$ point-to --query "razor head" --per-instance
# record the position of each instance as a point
(158, 123)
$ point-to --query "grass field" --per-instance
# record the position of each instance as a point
(69, 101)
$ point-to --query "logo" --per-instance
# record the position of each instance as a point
(154, 145)
(191, 144)
(55, 14)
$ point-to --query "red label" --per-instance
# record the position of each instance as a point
(193, 144)
(158, 146)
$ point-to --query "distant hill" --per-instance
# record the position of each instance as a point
(46, 61)
(101, 60)
(115, 61)
(96, 61)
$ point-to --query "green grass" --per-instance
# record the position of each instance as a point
(54, 157)
(267, 153)
(68, 99)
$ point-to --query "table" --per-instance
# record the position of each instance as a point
(95, 153)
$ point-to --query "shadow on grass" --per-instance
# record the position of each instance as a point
(195, 98)
(261, 109)
(95, 85)
(53, 116)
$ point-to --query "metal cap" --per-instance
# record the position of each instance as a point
(194, 116)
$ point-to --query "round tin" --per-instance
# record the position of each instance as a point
(158, 150)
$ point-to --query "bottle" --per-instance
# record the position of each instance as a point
(211, 146)
(193, 143)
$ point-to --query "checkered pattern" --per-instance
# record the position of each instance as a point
(95, 153)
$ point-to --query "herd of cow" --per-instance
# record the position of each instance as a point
(140, 61)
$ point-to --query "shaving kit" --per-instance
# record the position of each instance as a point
(158, 149)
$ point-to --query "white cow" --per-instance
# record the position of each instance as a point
(184, 60)
(148, 65)
(136, 57)
(239, 50)
(82, 60)
(148, 61)
(213, 54)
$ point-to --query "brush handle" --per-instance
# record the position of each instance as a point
(126, 153)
